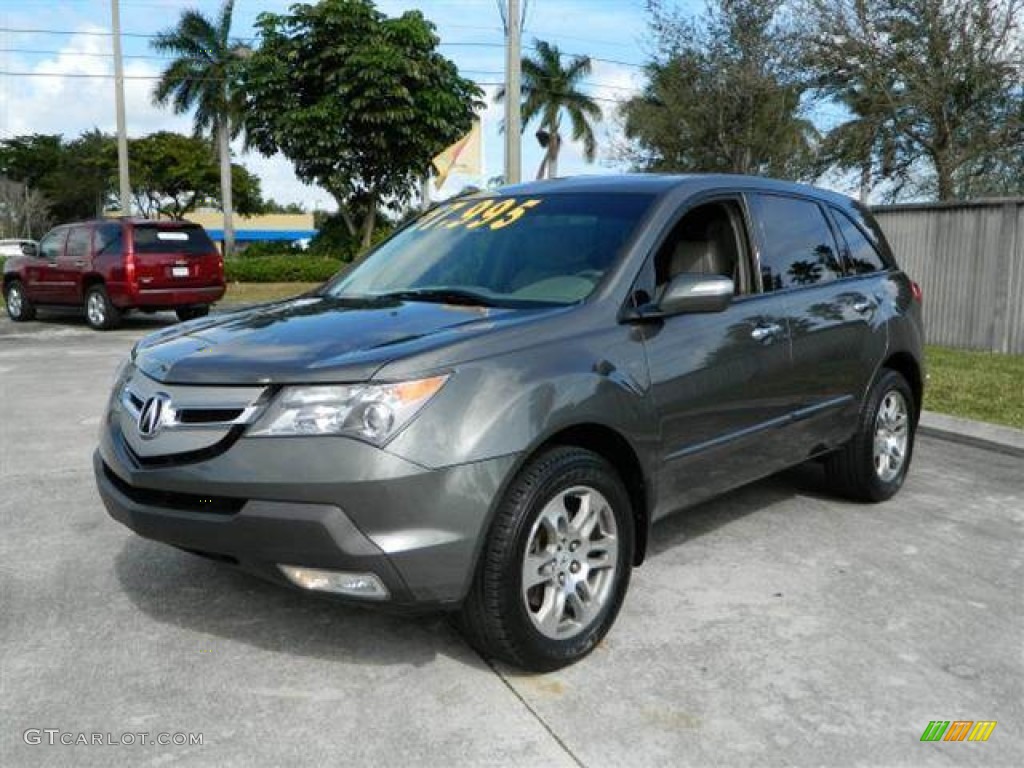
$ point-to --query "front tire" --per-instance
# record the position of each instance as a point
(556, 564)
(19, 308)
(874, 463)
(100, 312)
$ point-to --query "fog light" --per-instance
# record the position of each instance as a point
(364, 585)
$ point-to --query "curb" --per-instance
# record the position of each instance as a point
(992, 437)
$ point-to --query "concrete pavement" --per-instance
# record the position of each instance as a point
(774, 626)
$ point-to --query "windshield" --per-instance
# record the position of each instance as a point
(502, 251)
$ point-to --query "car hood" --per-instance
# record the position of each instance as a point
(312, 339)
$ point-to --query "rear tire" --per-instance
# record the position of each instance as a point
(100, 312)
(19, 308)
(874, 463)
(556, 563)
(191, 313)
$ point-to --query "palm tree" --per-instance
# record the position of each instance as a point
(549, 90)
(202, 77)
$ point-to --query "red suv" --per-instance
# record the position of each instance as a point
(109, 266)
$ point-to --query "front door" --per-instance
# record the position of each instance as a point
(72, 265)
(721, 382)
(42, 274)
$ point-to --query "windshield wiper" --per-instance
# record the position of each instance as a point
(443, 295)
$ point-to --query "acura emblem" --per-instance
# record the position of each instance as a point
(153, 413)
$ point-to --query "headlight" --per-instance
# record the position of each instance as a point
(371, 412)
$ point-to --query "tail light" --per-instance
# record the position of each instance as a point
(916, 292)
(129, 268)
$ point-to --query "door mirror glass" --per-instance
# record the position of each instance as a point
(696, 292)
(29, 249)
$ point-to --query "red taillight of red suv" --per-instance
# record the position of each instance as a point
(916, 292)
(129, 270)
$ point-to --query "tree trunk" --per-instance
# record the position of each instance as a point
(554, 145)
(543, 166)
(370, 221)
(945, 180)
(865, 182)
(224, 141)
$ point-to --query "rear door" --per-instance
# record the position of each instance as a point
(174, 255)
(831, 319)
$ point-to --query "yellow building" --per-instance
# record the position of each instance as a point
(271, 227)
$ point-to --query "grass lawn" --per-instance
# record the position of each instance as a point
(976, 385)
(253, 293)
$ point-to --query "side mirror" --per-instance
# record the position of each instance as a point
(29, 249)
(694, 292)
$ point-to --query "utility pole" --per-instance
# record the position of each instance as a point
(122, 134)
(513, 65)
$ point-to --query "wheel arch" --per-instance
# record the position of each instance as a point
(89, 280)
(907, 366)
(612, 446)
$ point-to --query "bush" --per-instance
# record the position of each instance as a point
(281, 269)
(259, 250)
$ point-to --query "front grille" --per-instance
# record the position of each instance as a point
(183, 502)
(209, 415)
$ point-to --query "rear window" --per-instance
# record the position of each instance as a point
(157, 239)
(799, 249)
(861, 254)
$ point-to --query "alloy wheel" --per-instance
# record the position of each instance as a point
(569, 566)
(892, 434)
(15, 302)
(96, 309)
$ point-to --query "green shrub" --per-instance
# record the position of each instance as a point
(259, 250)
(281, 269)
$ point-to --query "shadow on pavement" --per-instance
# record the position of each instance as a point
(74, 317)
(679, 527)
(199, 595)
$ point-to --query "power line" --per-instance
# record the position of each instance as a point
(91, 54)
(442, 44)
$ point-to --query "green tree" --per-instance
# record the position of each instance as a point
(359, 102)
(204, 77)
(723, 93)
(934, 84)
(75, 177)
(550, 90)
(173, 175)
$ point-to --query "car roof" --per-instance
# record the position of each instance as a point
(659, 183)
(133, 220)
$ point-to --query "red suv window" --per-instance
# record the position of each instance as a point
(157, 239)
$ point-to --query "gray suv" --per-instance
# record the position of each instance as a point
(487, 413)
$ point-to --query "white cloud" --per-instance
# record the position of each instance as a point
(72, 91)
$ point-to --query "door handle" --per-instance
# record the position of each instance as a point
(79, 263)
(863, 307)
(766, 331)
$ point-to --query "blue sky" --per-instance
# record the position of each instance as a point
(77, 94)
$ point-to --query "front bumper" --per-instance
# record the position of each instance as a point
(328, 503)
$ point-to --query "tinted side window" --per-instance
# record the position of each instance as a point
(51, 246)
(798, 246)
(78, 243)
(861, 256)
(108, 239)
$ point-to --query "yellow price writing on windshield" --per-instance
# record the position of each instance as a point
(492, 214)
